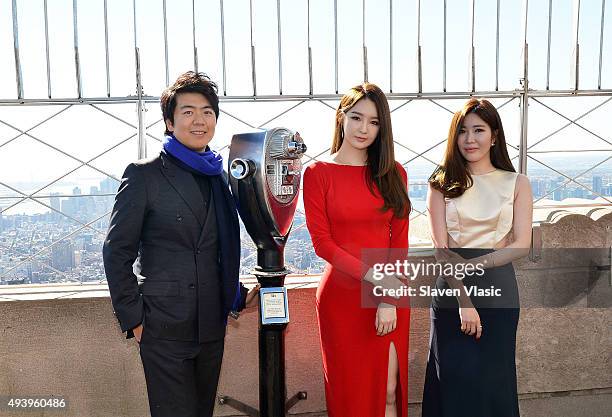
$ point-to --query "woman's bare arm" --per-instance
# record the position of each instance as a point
(436, 206)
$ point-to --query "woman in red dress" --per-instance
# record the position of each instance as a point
(359, 200)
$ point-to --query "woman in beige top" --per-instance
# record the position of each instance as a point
(480, 220)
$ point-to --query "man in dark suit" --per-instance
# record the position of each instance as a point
(172, 255)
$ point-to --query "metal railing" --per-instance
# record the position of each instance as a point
(522, 94)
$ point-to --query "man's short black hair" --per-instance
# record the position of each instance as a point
(189, 82)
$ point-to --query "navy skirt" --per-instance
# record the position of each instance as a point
(466, 377)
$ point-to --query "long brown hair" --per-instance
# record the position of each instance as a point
(452, 177)
(382, 172)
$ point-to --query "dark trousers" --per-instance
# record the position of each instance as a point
(181, 377)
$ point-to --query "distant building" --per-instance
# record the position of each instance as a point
(108, 186)
(597, 183)
(69, 206)
(538, 187)
(578, 192)
(62, 256)
(55, 201)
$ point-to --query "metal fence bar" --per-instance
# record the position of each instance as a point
(575, 35)
(135, 26)
(577, 43)
(441, 106)
(419, 63)
(525, 19)
(150, 125)
(424, 152)
(253, 70)
(363, 42)
(313, 158)
(567, 124)
(299, 97)
(18, 77)
(280, 48)
(82, 164)
(472, 49)
(390, 46)
(444, 51)
(401, 145)
(108, 91)
(52, 195)
(165, 42)
(310, 86)
(140, 106)
(193, 35)
(77, 63)
(401, 105)
(46, 17)
(452, 112)
(601, 40)
(280, 114)
(336, 45)
(574, 121)
(223, 47)
(55, 148)
(109, 114)
(238, 119)
(550, 5)
(569, 93)
(573, 151)
(524, 95)
(25, 132)
(497, 47)
(326, 104)
(524, 117)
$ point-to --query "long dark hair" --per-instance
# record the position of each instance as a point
(382, 172)
(452, 177)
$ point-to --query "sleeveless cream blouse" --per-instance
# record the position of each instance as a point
(482, 216)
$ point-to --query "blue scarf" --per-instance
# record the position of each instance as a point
(210, 163)
(207, 163)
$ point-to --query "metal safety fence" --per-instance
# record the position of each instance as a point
(51, 231)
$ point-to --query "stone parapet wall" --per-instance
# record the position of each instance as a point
(73, 348)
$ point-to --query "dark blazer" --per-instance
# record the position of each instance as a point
(177, 282)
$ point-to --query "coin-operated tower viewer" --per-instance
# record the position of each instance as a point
(265, 174)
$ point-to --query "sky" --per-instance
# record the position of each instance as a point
(86, 132)
(294, 33)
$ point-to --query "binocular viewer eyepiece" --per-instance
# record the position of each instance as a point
(265, 175)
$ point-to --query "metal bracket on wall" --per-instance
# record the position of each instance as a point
(252, 412)
(535, 252)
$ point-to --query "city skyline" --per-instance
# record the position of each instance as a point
(83, 220)
(79, 124)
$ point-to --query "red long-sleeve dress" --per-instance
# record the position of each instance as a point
(343, 218)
